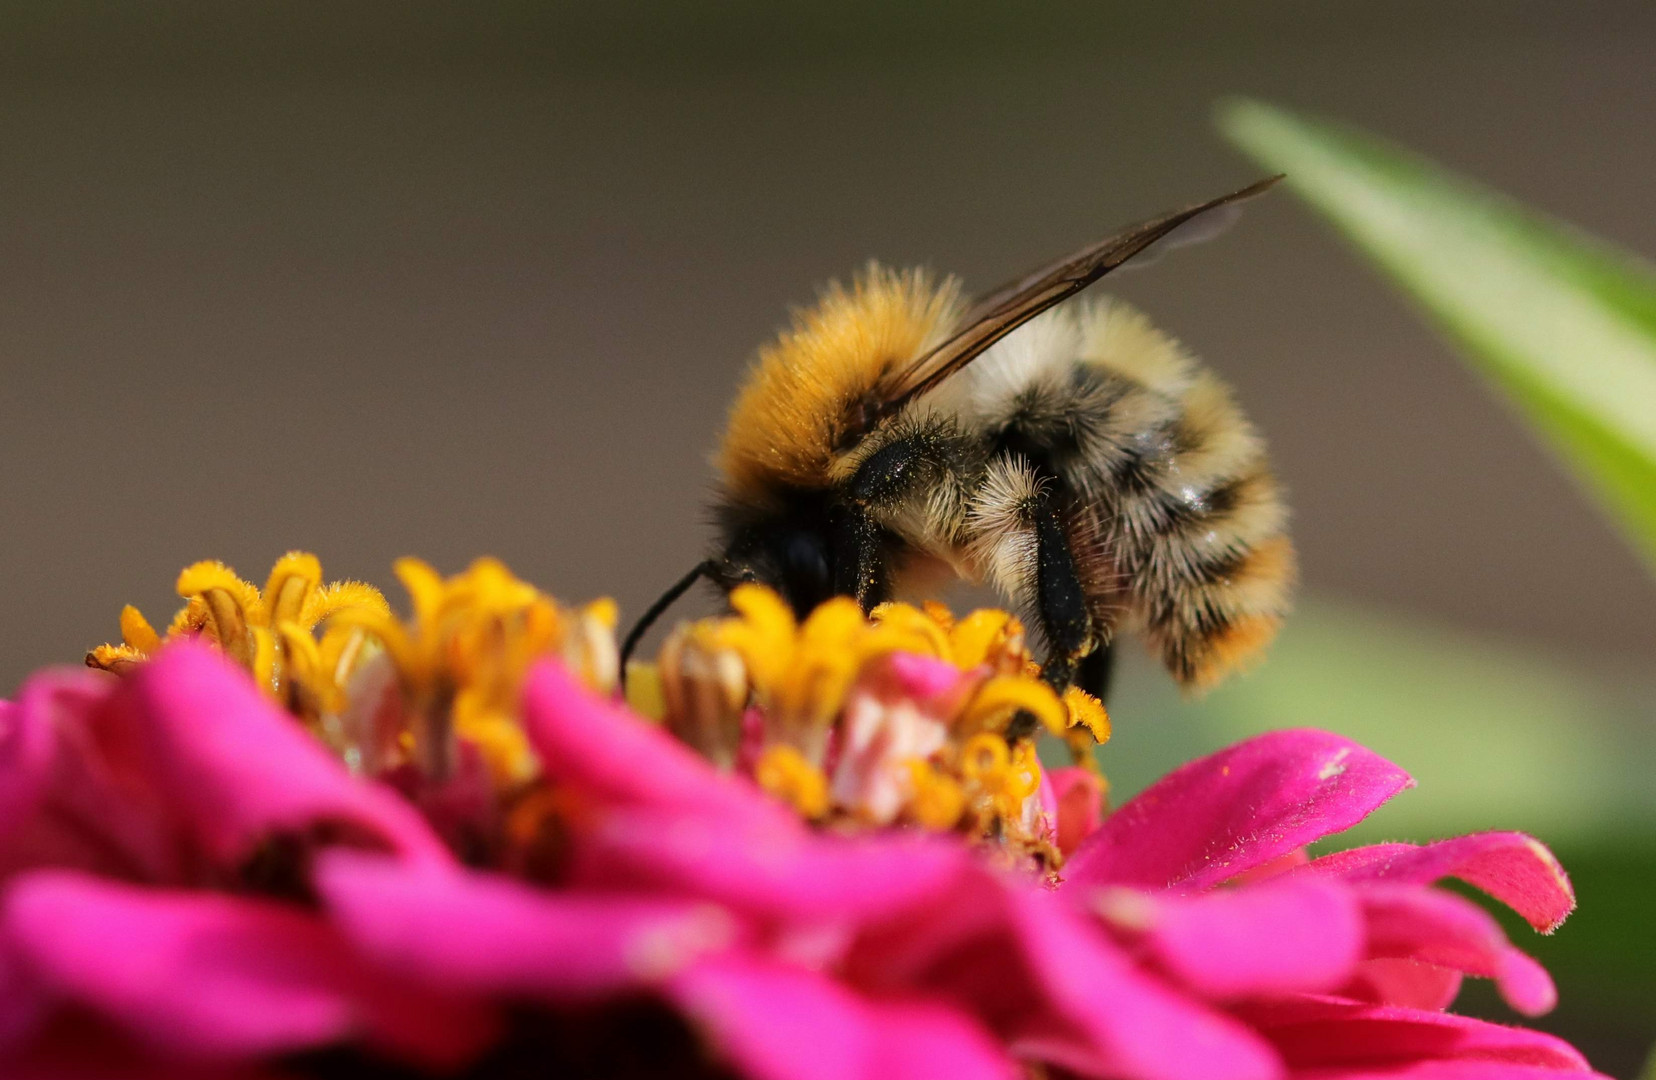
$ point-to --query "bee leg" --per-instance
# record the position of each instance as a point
(856, 546)
(1060, 600)
(897, 471)
(1061, 606)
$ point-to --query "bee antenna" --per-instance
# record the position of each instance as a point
(655, 610)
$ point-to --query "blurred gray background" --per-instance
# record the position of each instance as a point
(382, 279)
(376, 279)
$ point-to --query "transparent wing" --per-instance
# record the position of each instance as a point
(996, 314)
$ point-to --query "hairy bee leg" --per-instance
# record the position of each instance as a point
(1061, 606)
(885, 478)
(1060, 599)
(855, 545)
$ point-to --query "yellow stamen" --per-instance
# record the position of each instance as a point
(1086, 711)
(137, 632)
(645, 694)
(783, 771)
(1023, 776)
(919, 629)
(985, 758)
(292, 580)
(938, 799)
(989, 636)
(341, 596)
(210, 575)
(116, 658)
(1003, 696)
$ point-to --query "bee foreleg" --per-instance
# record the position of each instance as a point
(856, 548)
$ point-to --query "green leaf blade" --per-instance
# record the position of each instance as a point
(1561, 324)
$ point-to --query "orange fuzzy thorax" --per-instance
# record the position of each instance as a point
(808, 387)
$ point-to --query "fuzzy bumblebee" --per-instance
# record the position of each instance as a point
(1084, 465)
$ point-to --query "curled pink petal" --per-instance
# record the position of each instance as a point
(1515, 869)
(1328, 1032)
(782, 873)
(1232, 811)
(1275, 938)
(613, 756)
(1436, 927)
(177, 773)
(1439, 1069)
(1056, 988)
(778, 1022)
(210, 976)
(1289, 860)
(485, 934)
(238, 767)
(923, 677)
(1409, 983)
(25, 758)
(1078, 797)
(63, 803)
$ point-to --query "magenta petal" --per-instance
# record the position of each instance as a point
(923, 677)
(1409, 983)
(1133, 1026)
(1273, 938)
(485, 934)
(1437, 927)
(608, 753)
(239, 767)
(214, 976)
(1077, 804)
(25, 757)
(1439, 1069)
(1051, 983)
(175, 774)
(64, 803)
(1232, 811)
(772, 869)
(776, 1022)
(1325, 1032)
(1515, 869)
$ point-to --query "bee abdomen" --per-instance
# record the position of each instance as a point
(1208, 556)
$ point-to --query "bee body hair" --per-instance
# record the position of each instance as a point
(1059, 448)
(1175, 517)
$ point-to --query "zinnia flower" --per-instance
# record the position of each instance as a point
(474, 861)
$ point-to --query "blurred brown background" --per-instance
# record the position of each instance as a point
(383, 279)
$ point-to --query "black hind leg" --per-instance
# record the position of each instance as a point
(1060, 600)
(1060, 606)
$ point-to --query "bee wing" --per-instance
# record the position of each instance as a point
(1002, 311)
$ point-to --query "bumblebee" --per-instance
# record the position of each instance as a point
(1063, 450)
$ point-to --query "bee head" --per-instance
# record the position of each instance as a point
(788, 549)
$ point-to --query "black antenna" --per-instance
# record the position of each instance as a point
(655, 610)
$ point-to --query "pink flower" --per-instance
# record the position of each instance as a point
(191, 885)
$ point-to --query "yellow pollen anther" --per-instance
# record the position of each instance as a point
(984, 758)
(1003, 696)
(137, 632)
(938, 800)
(461, 659)
(1086, 711)
(259, 629)
(783, 772)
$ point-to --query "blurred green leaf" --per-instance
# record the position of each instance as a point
(1562, 323)
(1498, 735)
